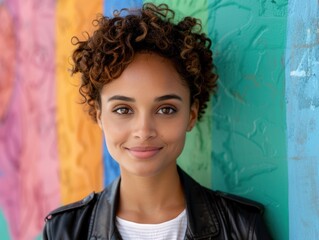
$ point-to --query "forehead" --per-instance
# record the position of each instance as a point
(148, 73)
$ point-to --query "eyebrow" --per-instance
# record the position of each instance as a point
(158, 99)
(122, 98)
(168, 97)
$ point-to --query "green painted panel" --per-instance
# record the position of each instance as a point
(249, 121)
(39, 237)
(4, 231)
(196, 157)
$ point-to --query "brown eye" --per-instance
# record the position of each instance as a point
(166, 110)
(123, 111)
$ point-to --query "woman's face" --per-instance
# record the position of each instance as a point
(145, 114)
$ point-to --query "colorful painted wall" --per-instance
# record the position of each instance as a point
(259, 138)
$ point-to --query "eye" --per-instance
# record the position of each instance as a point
(166, 110)
(122, 111)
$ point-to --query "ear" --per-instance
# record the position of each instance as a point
(98, 115)
(193, 115)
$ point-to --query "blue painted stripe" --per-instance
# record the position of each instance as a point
(111, 167)
(111, 5)
(302, 94)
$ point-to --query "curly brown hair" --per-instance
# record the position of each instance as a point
(104, 55)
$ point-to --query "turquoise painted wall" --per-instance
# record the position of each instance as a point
(249, 118)
(4, 233)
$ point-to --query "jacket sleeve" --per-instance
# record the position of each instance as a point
(260, 230)
(247, 216)
(45, 235)
(71, 221)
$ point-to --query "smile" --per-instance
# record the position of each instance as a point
(143, 152)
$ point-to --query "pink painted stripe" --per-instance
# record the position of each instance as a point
(29, 178)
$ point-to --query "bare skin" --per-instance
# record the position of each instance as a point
(159, 203)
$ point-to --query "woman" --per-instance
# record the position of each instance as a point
(146, 82)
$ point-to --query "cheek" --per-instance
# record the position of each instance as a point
(174, 133)
(114, 131)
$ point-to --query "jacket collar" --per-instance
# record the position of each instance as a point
(202, 220)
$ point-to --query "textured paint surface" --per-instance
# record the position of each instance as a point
(7, 58)
(302, 93)
(115, 5)
(28, 160)
(249, 141)
(80, 140)
(196, 157)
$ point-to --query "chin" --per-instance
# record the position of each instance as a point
(144, 171)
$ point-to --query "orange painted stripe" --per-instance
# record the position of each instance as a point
(79, 139)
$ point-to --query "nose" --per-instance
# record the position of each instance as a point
(145, 127)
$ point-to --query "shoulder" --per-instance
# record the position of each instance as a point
(231, 199)
(74, 221)
(75, 206)
(233, 203)
(243, 215)
(70, 221)
(231, 215)
(194, 188)
(87, 202)
(248, 215)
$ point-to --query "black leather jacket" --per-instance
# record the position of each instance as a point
(211, 215)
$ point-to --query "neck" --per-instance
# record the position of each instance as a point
(152, 199)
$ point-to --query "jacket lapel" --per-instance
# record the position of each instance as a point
(104, 214)
(202, 219)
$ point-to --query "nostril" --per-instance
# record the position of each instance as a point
(145, 133)
(145, 128)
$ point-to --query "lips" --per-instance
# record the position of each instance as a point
(144, 152)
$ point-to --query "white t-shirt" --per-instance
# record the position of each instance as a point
(174, 229)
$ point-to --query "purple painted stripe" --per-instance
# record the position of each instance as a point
(28, 162)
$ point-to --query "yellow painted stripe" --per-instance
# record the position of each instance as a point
(79, 139)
